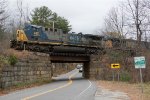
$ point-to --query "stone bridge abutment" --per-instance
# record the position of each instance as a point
(39, 67)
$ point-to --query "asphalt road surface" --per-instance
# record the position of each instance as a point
(70, 86)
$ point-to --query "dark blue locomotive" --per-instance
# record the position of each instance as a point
(41, 39)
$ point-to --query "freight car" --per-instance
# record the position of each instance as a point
(41, 39)
(128, 44)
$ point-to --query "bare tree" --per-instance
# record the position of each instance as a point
(3, 17)
(21, 13)
(132, 18)
(115, 23)
(147, 31)
(27, 19)
(137, 17)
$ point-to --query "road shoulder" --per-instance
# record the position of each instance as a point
(107, 94)
(132, 90)
(108, 90)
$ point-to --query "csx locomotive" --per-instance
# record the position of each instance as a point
(128, 44)
(41, 39)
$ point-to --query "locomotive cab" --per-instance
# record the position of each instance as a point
(21, 36)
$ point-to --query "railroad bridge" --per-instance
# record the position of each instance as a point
(76, 56)
(89, 57)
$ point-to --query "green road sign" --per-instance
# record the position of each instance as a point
(139, 62)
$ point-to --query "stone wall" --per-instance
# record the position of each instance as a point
(30, 68)
(27, 70)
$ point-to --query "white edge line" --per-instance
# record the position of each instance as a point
(85, 89)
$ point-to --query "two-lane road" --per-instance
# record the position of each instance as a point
(70, 86)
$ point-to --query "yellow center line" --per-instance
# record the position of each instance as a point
(39, 94)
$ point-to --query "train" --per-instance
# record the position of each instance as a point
(47, 40)
(42, 39)
(128, 44)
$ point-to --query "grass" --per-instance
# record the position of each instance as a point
(24, 85)
(147, 91)
(12, 59)
(3, 60)
(30, 84)
(133, 90)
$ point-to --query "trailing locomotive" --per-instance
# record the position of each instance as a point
(41, 39)
(128, 44)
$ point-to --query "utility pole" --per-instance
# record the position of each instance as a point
(53, 22)
(53, 26)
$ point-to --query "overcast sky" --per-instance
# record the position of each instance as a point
(84, 15)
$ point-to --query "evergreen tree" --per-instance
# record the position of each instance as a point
(43, 16)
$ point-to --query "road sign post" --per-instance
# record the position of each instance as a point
(115, 66)
(118, 75)
(113, 75)
(141, 77)
(140, 64)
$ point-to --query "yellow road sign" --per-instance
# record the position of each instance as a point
(115, 66)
